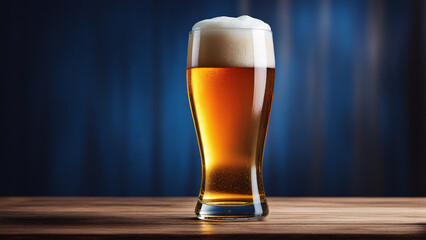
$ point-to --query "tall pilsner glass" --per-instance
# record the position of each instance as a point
(230, 78)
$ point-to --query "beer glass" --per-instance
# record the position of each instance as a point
(230, 80)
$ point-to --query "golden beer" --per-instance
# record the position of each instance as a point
(231, 108)
(230, 79)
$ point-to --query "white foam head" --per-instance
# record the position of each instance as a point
(231, 42)
(242, 22)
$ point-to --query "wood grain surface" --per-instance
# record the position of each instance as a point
(163, 218)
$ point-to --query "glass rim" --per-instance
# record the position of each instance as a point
(245, 29)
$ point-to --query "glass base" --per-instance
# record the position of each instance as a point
(246, 212)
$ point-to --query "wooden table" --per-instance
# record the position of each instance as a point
(158, 218)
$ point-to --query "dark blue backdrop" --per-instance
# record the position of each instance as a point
(94, 101)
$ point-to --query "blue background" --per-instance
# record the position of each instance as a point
(94, 101)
